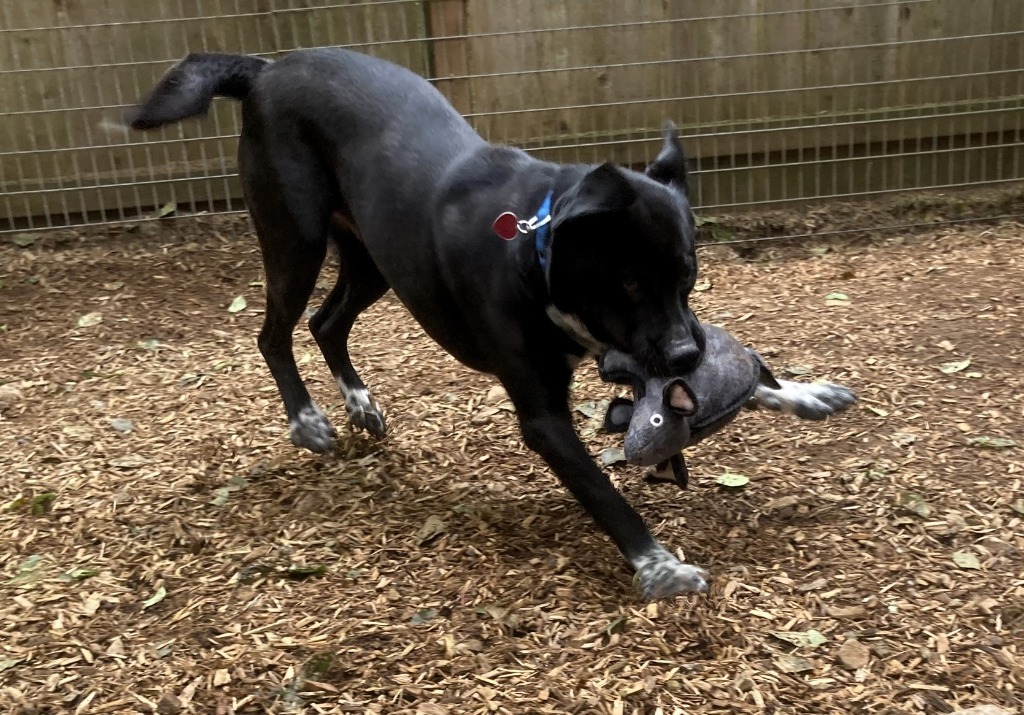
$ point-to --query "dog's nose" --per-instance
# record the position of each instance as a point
(682, 356)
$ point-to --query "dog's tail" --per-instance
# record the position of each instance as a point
(188, 88)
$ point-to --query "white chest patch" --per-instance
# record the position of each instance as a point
(576, 330)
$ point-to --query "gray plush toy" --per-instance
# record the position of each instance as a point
(668, 414)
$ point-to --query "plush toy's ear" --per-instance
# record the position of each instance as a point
(678, 397)
(670, 165)
(601, 190)
(618, 416)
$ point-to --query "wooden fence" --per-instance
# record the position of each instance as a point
(779, 100)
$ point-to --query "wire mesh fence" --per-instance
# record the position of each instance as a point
(780, 102)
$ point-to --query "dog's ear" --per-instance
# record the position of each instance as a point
(678, 397)
(601, 190)
(670, 166)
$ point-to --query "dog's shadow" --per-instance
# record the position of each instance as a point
(508, 519)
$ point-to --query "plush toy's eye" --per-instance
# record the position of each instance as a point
(657, 420)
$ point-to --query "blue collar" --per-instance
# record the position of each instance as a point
(542, 231)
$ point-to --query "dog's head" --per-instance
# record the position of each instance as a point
(622, 261)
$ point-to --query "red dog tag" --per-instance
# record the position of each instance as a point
(506, 226)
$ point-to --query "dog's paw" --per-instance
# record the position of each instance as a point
(364, 413)
(659, 574)
(806, 400)
(312, 430)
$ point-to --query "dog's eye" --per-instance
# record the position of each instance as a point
(632, 289)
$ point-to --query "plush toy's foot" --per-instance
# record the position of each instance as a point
(618, 415)
(672, 470)
(806, 400)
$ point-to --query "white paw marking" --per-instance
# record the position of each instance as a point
(356, 398)
(311, 429)
(807, 400)
(363, 412)
(659, 574)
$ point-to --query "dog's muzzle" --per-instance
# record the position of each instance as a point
(684, 350)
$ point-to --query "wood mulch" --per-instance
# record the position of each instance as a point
(165, 549)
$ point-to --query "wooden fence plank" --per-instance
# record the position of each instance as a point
(779, 99)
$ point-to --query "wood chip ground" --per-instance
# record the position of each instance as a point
(165, 549)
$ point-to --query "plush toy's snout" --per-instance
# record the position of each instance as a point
(660, 425)
(668, 414)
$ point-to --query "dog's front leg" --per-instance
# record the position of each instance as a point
(549, 432)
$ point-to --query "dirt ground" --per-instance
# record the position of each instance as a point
(166, 549)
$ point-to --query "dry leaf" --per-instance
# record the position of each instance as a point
(847, 611)
(793, 664)
(966, 560)
(853, 655)
(432, 528)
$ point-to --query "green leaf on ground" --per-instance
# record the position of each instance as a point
(915, 503)
(952, 367)
(29, 571)
(161, 594)
(793, 664)
(238, 304)
(42, 503)
(306, 571)
(732, 481)
(617, 625)
(423, 615)
(801, 639)
(220, 496)
(991, 442)
(592, 408)
(24, 240)
(90, 319)
(613, 455)
(966, 560)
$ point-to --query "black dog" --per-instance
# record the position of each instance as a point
(339, 146)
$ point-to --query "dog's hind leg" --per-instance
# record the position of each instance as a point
(291, 209)
(359, 286)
